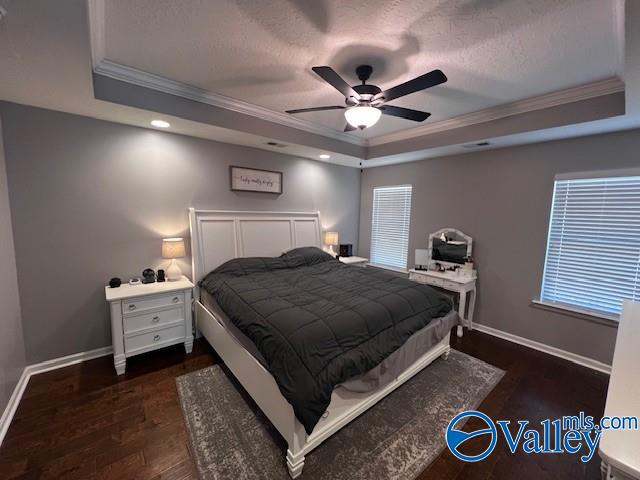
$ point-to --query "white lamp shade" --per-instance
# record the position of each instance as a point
(362, 116)
(331, 238)
(173, 248)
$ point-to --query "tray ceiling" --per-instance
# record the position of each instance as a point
(493, 51)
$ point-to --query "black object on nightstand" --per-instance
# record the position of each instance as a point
(346, 250)
(160, 275)
(115, 282)
(148, 276)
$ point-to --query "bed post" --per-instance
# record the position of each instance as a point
(295, 452)
(195, 268)
(447, 350)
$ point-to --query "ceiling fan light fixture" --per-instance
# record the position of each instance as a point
(362, 116)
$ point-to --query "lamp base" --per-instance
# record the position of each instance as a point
(173, 272)
(331, 252)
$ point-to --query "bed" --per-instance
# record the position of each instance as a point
(313, 341)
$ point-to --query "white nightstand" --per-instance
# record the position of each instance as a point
(149, 316)
(460, 282)
(356, 261)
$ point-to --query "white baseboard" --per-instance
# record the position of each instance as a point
(12, 406)
(42, 367)
(61, 362)
(556, 352)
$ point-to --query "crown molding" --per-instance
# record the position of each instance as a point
(95, 19)
(103, 66)
(619, 30)
(554, 99)
(156, 82)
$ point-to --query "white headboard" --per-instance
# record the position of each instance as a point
(218, 236)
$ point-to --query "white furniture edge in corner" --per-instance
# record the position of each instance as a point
(218, 236)
(619, 449)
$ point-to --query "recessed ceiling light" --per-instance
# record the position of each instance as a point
(324, 156)
(160, 123)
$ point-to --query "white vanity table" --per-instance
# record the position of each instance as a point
(462, 283)
(449, 247)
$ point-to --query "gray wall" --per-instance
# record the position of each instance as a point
(502, 199)
(12, 358)
(92, 199)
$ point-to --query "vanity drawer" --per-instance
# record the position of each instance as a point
(448, 284)
(149, 341)
(134, 323)
(436, 282)
(135, 305)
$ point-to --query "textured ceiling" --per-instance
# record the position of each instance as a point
(493, 51)
(45, 61)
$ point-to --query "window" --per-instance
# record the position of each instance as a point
(593, 249)
(390, 226)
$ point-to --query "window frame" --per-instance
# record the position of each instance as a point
(567, 308)
(373, 196)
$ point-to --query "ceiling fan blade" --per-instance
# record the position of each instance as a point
(315, 109)
(330, 76)
(409, 114)
(428, 80)
(349, 128)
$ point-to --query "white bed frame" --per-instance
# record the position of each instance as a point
(218, 236)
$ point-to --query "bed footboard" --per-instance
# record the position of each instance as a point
(262, 387)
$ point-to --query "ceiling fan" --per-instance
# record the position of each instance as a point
(366, 103)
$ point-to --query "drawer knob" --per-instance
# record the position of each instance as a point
(155, 319)
(132, 307)
(156, 338)
(175, 300)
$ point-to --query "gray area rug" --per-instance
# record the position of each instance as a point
(396, 439)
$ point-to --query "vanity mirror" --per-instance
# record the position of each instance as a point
(449, 247)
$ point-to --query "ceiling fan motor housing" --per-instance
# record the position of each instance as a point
(366, 92)
(364, 72)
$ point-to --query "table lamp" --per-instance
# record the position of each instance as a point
(173, 248)
(331, 239)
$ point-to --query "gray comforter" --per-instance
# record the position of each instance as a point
(318, 322)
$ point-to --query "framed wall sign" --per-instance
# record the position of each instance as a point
(255, 180)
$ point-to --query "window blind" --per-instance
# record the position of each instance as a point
(593, 249)
(390, 226)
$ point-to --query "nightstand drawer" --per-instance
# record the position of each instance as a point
(149, 341)
(135, 305)
(135, 323)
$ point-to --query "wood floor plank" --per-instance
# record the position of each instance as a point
(84, 421)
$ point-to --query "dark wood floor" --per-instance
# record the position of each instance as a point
(84, 422)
